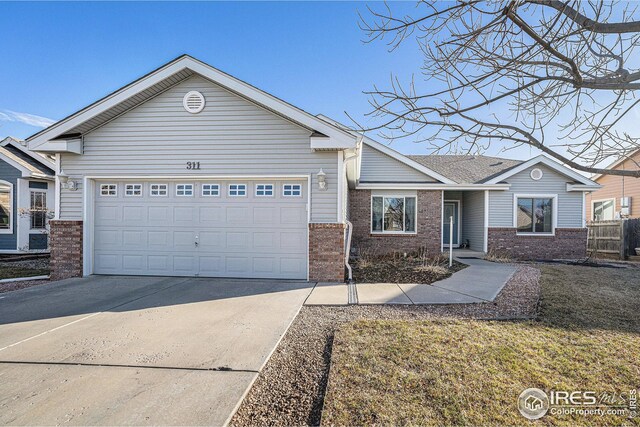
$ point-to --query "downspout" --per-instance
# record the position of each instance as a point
(347, 250)
(349, 228)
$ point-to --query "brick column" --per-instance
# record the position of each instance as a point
(326, 252)
(66, 249)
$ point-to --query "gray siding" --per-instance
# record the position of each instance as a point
(231, 136)
(473, 219)
(378, 167)
(569, 204)
(10, 174)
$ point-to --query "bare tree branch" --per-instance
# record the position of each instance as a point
(559, 76)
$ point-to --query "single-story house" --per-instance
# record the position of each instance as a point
(619, 196)
(189, 171)
(26, 188)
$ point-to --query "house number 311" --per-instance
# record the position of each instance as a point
(193, 165)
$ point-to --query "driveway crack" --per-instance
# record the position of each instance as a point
(115, 365)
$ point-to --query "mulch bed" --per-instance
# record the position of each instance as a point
(290, 389)
(399, 269)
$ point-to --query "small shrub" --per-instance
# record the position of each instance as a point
(498, 256)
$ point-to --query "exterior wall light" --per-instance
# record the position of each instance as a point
(66, 183)
(322, 180)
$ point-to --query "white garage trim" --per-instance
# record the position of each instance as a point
(89, 200)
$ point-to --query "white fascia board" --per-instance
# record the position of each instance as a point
(583, 187)
(547, 162)
(61, 146)
(338, 136)
(429, 186)
(407, 161)
(35, 156)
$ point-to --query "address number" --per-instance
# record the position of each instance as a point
(193, 165)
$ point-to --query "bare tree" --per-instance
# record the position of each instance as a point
(510, 72)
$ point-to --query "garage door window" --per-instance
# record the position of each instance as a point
(184, 190)
(133, 190)
(109, 190)
(292, 190)
(237, 190)
(158, 190)
(264, 190)
(210, 190)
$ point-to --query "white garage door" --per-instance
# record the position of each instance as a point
(193, 228)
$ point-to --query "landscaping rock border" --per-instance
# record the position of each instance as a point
(290, 389)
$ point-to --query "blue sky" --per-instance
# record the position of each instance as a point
(59, 57)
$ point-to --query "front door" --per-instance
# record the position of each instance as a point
(451, 209)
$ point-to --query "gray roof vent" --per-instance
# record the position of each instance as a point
(193, 102)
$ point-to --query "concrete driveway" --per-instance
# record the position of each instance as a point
(108, 350)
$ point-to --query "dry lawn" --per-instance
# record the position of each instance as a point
(466, 372)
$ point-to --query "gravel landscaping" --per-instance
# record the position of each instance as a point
(14, 267)
(398, 268)
(290, 389)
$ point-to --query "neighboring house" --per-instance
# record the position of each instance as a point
(26, 188)
(619, 196)
(191, 172)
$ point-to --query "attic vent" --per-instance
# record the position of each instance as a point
(193, 102)
(536, 174)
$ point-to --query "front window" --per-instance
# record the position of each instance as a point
(603, 210)
(535, 215)
(38, 209)
(5, 207)
(393, 214)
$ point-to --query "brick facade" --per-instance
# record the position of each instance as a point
(66, 249)
(568, 243)
(429, 225)
(326, 252)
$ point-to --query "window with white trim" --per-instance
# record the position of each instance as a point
(133, 190)
(6, 207)
(535, 215)
(158, 190)
(109, 190)
(604, 210)
(237, 190)
(292, 190)
(264, 190)
(184, 190)
(211, 190)
(393, 214)
(38, 209)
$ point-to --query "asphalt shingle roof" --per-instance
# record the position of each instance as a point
(466, 169)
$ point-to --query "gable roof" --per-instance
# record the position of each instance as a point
(552, 164)
(31, 164)
(466, 169)
(326, 135)
(615, 164)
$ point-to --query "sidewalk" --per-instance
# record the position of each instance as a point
(481, 281)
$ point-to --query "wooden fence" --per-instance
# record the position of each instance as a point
(614, 238)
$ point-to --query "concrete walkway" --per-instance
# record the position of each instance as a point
(480, 282)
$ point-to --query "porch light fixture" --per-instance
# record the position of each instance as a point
(322, 180)
(66, 183)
